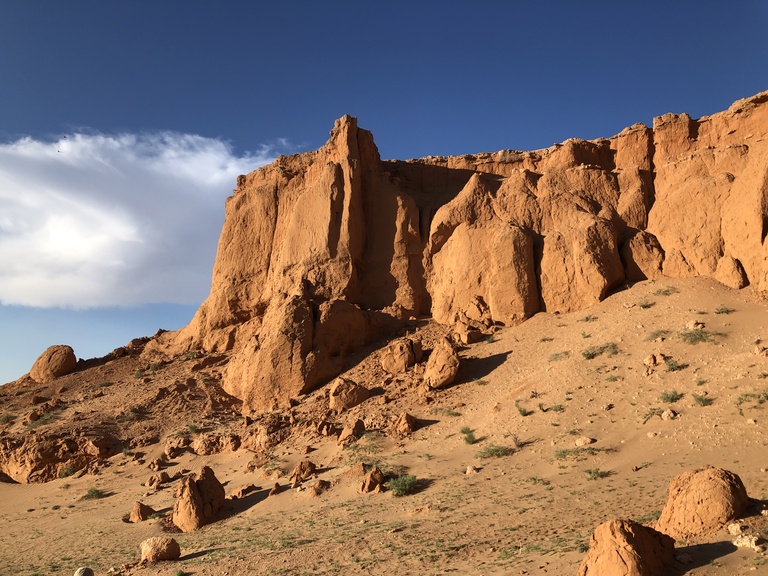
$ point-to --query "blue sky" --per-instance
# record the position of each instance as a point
(123, 125)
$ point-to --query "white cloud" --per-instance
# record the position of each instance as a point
(105, 220)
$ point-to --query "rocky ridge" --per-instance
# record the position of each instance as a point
(326, 251)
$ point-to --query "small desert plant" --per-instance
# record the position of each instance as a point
(67, 470)
(138, 374)
(537, 480)
(723, 310)
(645, 304)
(559, 356)
(596, 473)
(666, 291)
(611, 378)
(673, 365)
(469, 435)
(480, 381)
(698, 335)
(670, 396)
(522, 410)
(46, 418)
(94, 494)
(494, 451)
(194, 429)
(403, 485)
(154, 367)
(577, 453)
(650, 517)
(192, 355)
(594, 351)
(656, 334)
(7, 418)
(651, 413)
(104, 384)
(702, 400)
(546, 339)
(589, 318)
(490, 339)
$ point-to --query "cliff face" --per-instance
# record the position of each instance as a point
(325, 251)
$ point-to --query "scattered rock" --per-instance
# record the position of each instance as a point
(373, 482)
(159, 548)
(157, 479)
(403, 426)
(276, 489)
(702, 501)
(318, 487)
(735, 529)
(669, 414)
(304, 470)
(198, 499)
(442, 366)
(344, 394)
(584, 441)
(748, 541)
(398, 356)
(206, 444)
(242, 491)
(351, 433)
(694, 325)
(471, 470)
(140, 512)
(624, 547)
(56, 361)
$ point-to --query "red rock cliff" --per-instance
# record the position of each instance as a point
(324, 251)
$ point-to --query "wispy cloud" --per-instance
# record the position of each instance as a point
(102, 220)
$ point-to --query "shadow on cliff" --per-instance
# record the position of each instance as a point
(472, 369)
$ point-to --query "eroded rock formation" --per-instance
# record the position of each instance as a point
(325, 251)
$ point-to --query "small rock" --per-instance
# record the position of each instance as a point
(140, 512)
(748, 541)
(276, 489)
(242, 491)
(669, 414)
(584, 441)
(735, 529)
(752, 422)
(373, 482)
(471, 470)
(83, 572)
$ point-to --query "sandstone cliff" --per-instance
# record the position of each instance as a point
(325, 251)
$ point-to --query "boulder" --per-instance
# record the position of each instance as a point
(198, 499)
(206, 444)
(303, 471)
(159, 548)
(56, 361)
(140, 512)
(626, 548)
(702, 501)
(398, 356)
(403, 426)
(351, 432)
(442, 366)
(344, 394)
(84, 572)
(373, 482)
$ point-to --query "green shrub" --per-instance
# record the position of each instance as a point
(94, 494)
(494, 451)
(702, 400)
(670, 396)
(403, 485)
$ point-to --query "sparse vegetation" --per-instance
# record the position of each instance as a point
(494, 451)
(723, 310)
(104, 384)
(650, 517)
(698, 335)
(522, 409)
(194, 429)
(670, 396)
(94, 494)
(645, 304)
(138, 374)
(666, 291)
(702, 400)
(7, 418)
(469, 435)
(537, 480)
(651, 413)
(403, 485)
(546, 339)
(559, 356)
(589, 318)
(67, 470)
(578, 453)
(759, 398)
(656, 334)
(594, 351)
(673, 365)
(46, 418)
(611, 378)
(596, 473)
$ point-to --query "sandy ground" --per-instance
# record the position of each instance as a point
(532, 390)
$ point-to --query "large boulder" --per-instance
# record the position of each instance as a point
(398, 356)
(442, 366)
(626, 548)
(702, 501)
(345, 394)
(159, 548)
(198, 499)
(56, 361)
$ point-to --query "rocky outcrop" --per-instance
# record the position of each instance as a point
(198, 499)
(326, 251)
(626, 548)
(56, 361)
(702, 501)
